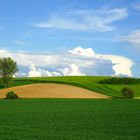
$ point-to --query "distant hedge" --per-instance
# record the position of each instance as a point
(120, 81)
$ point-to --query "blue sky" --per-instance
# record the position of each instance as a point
(108, 27)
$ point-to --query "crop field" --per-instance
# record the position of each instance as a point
(87, 82)
(52, 90)
(69, 119)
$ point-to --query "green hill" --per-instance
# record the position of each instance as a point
(88, 82)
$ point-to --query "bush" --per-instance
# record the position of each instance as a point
(11, 95)
(128, 93)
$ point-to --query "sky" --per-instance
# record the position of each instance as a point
(71, 37)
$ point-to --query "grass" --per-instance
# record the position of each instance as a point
(87, 82)
(69, 119)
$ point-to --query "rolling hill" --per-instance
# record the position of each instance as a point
(87, 82)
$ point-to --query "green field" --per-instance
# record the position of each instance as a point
(88, 82)
(69, 119)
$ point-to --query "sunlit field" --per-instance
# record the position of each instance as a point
(69, 119)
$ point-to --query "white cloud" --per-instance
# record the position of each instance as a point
(78, 61)
(42, 73)
(136, 5)
(38, 72)
(81, 51)
(121, 65)
(71, 70)
(133, 38)
(84, 20)
(34, 74)
(19, 42)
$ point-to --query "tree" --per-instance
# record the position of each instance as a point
(8, 68)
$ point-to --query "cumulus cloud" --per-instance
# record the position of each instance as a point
(77, 61)
(42, 73)
(71, 70)
(85, 20)
(84, 52)
(133, 38)
(121, 65)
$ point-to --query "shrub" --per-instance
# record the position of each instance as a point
(11, 95)
(128, 93)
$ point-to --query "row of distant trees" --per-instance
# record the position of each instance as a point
(8, 68)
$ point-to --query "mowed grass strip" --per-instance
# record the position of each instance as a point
(69, 119)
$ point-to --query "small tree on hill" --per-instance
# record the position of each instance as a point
(7, 70)
(11, 95)
(128, 93)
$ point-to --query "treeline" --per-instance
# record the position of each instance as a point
(120, 81)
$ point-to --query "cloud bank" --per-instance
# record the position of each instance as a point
(77, 61)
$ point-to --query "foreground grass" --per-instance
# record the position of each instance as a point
(87, 82)
(69, 119)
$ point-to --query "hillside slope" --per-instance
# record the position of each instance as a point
(87, 82)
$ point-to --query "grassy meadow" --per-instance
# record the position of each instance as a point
(69, 119)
